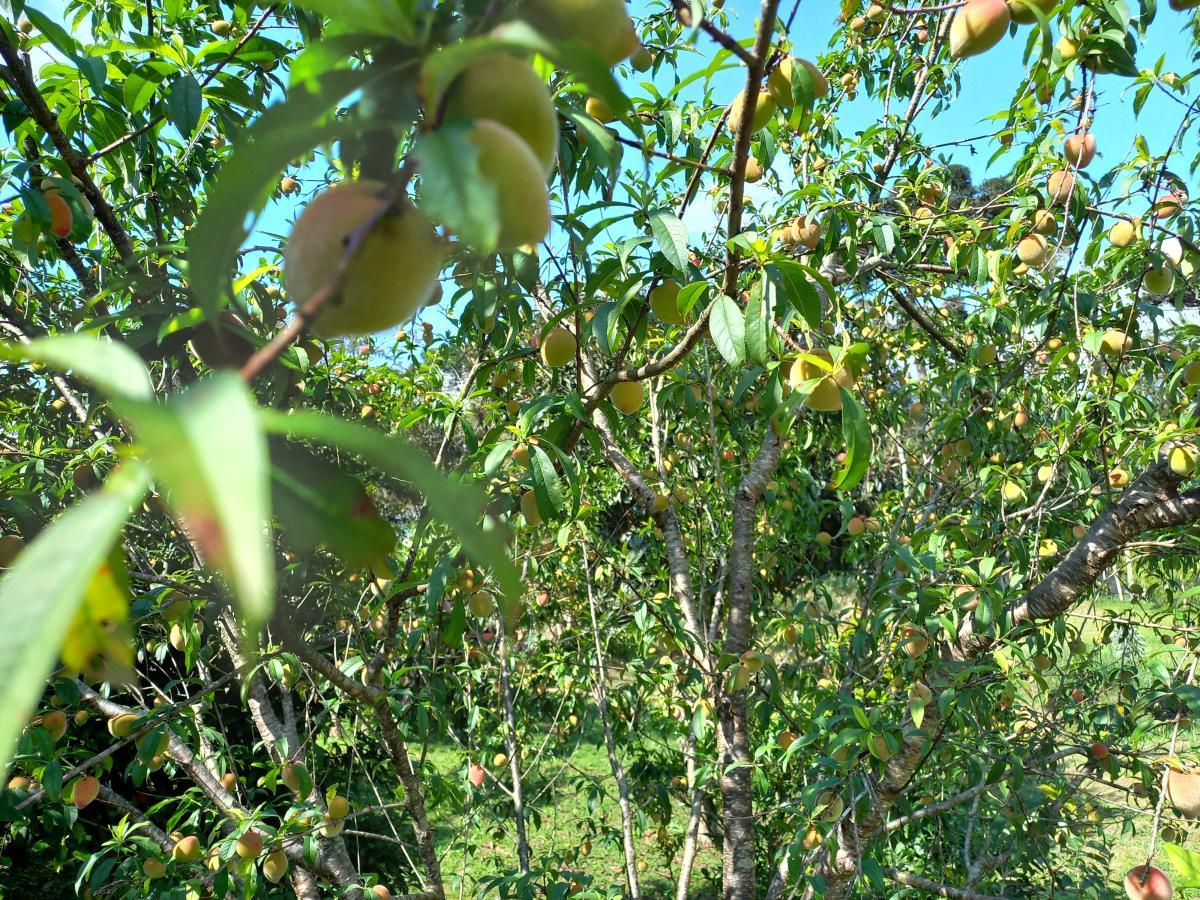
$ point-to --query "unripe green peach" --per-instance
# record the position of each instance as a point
(508, 90)
(599, 110)
(764, 109)
(1125, 232)
(481, 604)
(11, 546)
(779, 85)
(1024, 15)
(511, 167)
(664, 303)
(642, 60)
(1115, 342)
(977, 27)
(1183, 461)
(393, 271)
(826, 397)
(529, 509)
(331, 828)
(558, 348)
(154, 867)
(628, 396)
(603, 25)
(275, 866)
(249, 845)
(122, 725)
(1159, 281)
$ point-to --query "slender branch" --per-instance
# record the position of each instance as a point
(216, 70)
(726, 40)
(935, 888)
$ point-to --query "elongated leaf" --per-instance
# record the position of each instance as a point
(601, 144)
(760, 321)
(858, 443)
(455, 192)
(316, 503)
(208, 450)
(372, 16)
(691, 296)
(185, 104)
(458, 505)
(58, 36)
(1186, 864)
(796, 289)
(728, 330)
(56, 582)
(112, 368)
(547, 486)
(672, 238)
(280, 134)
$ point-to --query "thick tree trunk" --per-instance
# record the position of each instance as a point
(733, 729)
(737, 799)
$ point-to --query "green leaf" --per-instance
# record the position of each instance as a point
(1186, 864)
(59, 37)
(57, 582)
(1043, 26)
(458, 505)
(1189, 694)
(672, 238)
(208, 450)
(453, 189)
(112, 368)
(547, 486)
(386, 17)
(870, 866)
(281, 133)
(858, 443)
(600, 142)
(804, 89)
(728, 330)
(185, 104)
(317, 504)
(795, 287)
(93, 69)
(690, 296)
(760, 320)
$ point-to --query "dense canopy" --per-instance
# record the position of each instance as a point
(544, 448)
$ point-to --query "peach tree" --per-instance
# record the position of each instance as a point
(390, 383)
